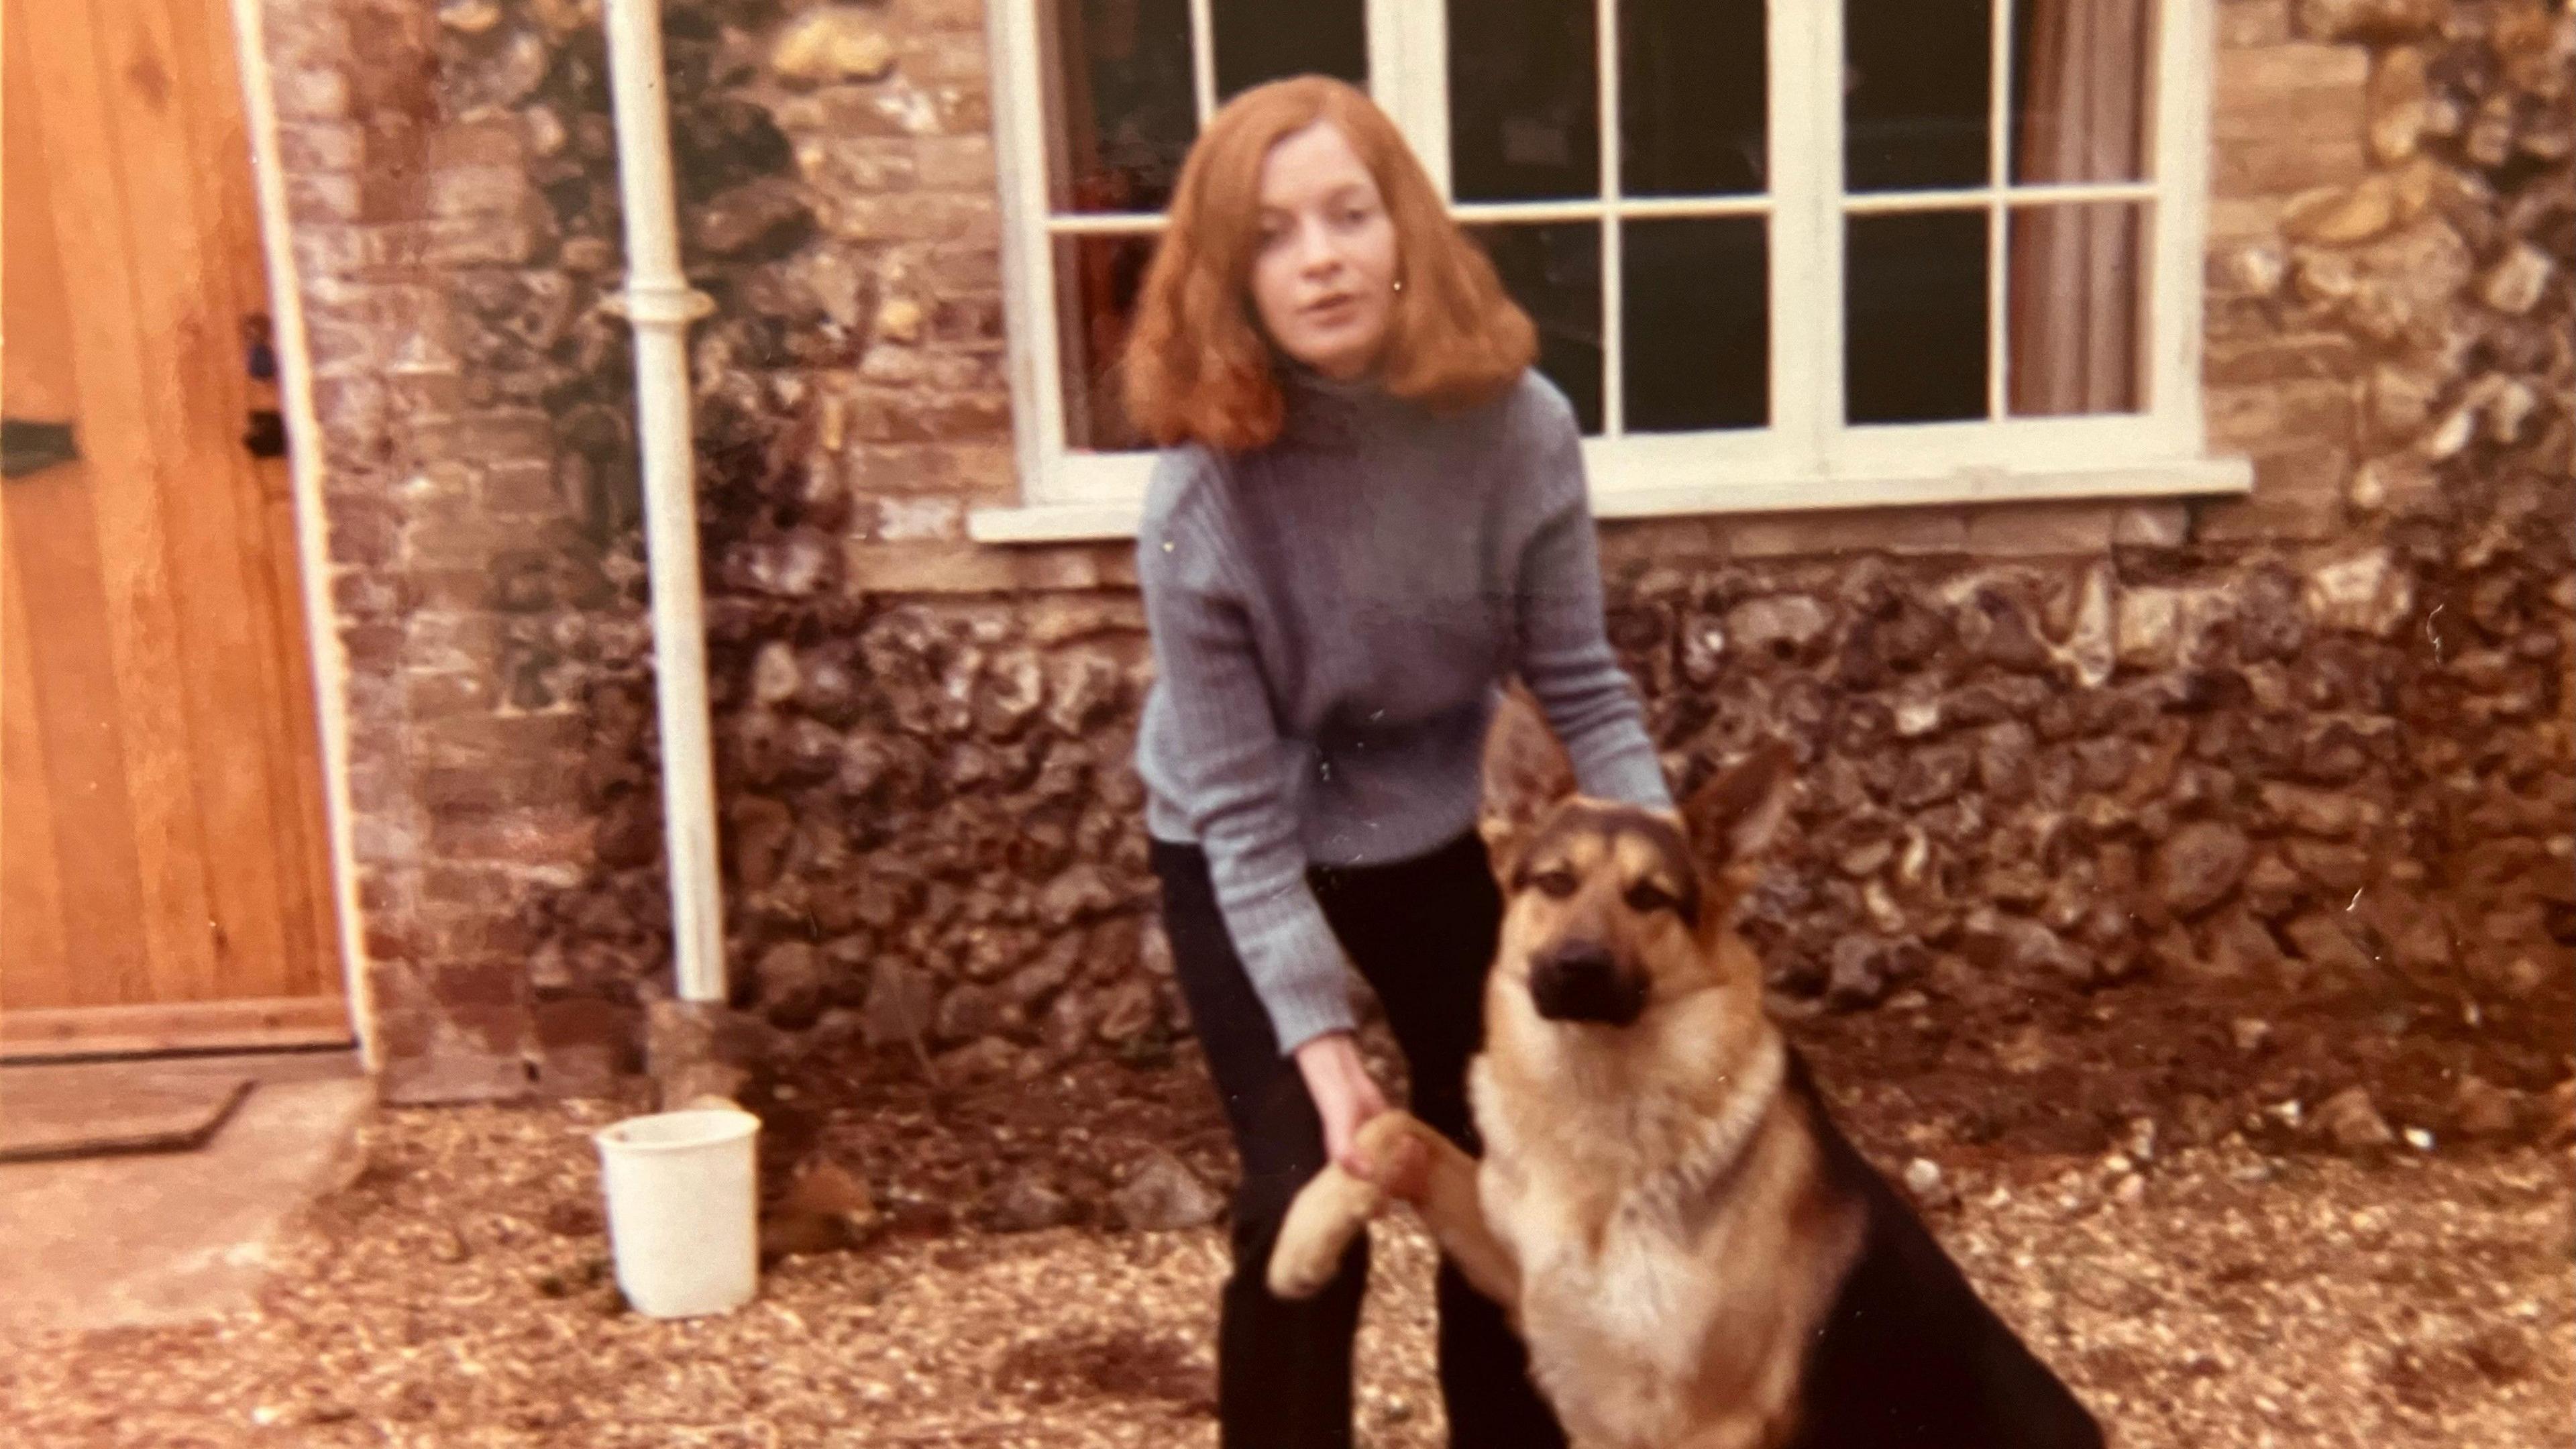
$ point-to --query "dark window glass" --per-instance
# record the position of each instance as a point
(1524, 100)
(1121, 107)
(1691, 97)
(1553, 270)
(1697, 323)
(1264, 40)
(1096, 281)
(1914, 324)
(1915, 93)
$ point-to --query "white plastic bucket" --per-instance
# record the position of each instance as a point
(683, 1210)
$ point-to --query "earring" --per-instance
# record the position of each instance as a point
(1399, 284)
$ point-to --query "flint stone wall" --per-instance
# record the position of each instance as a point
(2322, 734)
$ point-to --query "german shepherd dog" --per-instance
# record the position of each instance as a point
(1695, 1254)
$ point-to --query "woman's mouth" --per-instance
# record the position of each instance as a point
(1331, 309)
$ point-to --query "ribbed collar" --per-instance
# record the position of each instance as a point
(1322, 412)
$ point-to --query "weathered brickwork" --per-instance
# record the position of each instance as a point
(2322, 732)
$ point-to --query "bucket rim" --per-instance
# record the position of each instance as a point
(720, 1125)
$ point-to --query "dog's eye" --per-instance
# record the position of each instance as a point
(1646, 897)
(1558, 882)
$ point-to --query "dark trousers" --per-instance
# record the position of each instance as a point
(1423, 932)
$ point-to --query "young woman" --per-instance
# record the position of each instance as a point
(1368, 513)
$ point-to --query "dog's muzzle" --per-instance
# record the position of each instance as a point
(1583, 983)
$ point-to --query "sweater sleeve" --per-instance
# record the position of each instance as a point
(1236, 774)
(1565, 654)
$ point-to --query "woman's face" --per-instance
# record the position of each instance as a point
(1324, 266)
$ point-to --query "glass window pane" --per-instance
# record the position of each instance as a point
(1691, 97)
(2074, 282)
(1696, 313)
(2079, 82)
(1524, 100)
(1121, 108)
(1914, 328)
(1096, 281)
(1263, 40)
(1915, 93)
(1553, 270)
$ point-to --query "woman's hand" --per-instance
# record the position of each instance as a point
(1344, 1092)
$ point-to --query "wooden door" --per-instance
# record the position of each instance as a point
(164, 877)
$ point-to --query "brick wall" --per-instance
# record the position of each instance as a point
(2047, 746)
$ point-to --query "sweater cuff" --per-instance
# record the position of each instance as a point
(1632, 775)
(1295, 962)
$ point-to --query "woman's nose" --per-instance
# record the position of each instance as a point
(1316, 253)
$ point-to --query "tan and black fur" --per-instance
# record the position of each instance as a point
(1696, 1256)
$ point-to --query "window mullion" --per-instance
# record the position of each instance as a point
(1014, 51)
(1805, 180)
(1614, 362)
(2178, 103)
(1203, 59)
(1409, 77)
(1998, 213)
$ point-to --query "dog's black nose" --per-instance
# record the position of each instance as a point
(1582, 982)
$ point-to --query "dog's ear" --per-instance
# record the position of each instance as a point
(1732, 818)
(1526, 772)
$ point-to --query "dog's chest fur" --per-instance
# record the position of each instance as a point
(1667, 1250)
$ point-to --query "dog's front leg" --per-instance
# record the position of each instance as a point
(1427, 1170)
(1330, 1210)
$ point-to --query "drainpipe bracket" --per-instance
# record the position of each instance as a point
(659, 306)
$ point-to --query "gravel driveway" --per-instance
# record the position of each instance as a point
(455, 1295)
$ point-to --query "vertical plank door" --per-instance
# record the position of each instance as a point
(164, 876)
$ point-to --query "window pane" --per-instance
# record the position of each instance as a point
(1524, 103)
(2075, 288)
(1691, 102)
(1554, 271)
(1121, 109)
(1697, 317)
(1914, 330)
(2079, 103)
(1915, 93)
(1263, 40)
(1096, 281)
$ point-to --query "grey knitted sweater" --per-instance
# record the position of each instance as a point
(1332, 617)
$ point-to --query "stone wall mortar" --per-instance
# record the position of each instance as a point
(2322, 732)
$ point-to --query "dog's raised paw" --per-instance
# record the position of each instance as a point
(1329, 1211)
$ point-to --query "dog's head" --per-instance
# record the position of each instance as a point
(1612, 909)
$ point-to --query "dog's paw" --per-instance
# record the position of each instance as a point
(1397, 1159)
(1329, 1211)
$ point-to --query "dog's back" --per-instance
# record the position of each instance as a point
(1909, 1357)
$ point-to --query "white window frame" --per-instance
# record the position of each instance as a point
(1808, 458)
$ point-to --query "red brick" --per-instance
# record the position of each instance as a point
(524, 837)
(957, 163)
(497, 141)
(484, 887)
(363, 531)
(2245, 23)
(2283, 357)
(2285, 168)
(504, 738)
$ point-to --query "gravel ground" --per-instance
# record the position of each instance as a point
(455, 1295)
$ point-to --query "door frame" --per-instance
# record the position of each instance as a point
(327, 665)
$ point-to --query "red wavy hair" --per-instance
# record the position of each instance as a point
(1198, 367)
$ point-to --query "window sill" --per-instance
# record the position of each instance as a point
(1110, 520)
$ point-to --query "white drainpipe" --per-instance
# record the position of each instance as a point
(661, 305)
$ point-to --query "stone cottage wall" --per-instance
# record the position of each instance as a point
(2321, 733)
